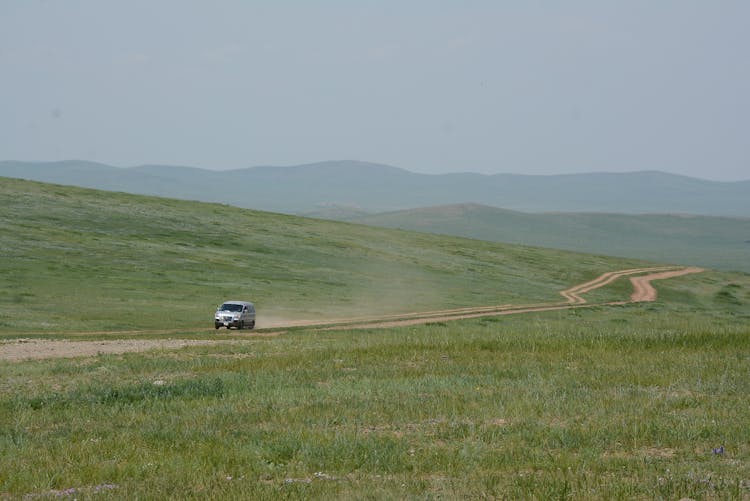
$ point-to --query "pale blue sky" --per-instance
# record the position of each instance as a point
(431, 86)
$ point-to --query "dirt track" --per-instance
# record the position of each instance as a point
(644, 291)
(26, 349)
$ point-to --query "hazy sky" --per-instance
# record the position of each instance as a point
(531, 87)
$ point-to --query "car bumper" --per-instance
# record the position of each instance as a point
(226, 323)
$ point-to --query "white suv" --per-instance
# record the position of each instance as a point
(239, 314)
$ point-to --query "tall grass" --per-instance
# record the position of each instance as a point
(586, 404)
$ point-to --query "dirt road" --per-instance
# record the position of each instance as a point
(25, 349)
(36, 349)
(644, 291)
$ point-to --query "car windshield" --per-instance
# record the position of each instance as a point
(231, 307)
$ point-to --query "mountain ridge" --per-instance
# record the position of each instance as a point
(376, 188)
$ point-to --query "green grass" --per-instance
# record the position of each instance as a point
(616, 403)
(598, 403)
(83, 260)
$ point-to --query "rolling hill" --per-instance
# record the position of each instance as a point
(715, 242)
(83, 260)
(308, 189)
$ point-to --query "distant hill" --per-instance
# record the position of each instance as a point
(716, 242)
(340, 186)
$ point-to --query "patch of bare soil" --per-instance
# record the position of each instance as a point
(28, 349)
(37, 349)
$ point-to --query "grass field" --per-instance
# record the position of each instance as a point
(84, 260)
(623, 402)
(620, 403)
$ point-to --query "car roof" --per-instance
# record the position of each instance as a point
(237, 302)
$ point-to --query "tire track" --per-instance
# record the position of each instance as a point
(572, 295)
(644, 291)
(573, 299)
(26, 349)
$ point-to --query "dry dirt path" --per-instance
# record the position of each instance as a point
(644, 291)
(37, 349)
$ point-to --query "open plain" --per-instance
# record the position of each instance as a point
(606, 391)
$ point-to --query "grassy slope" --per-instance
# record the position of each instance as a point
(84, 260)
(604, 403)
(716, 242)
